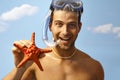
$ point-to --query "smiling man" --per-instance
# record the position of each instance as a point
(65, 62)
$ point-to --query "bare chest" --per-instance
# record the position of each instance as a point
(65, 71)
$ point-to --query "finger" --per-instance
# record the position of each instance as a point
(15, 50)
(25, 42)
(17, 54)
(19, 42)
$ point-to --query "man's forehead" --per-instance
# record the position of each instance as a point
(64, 11)
(65, 20)
(65, 14)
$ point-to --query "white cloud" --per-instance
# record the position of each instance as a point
(116, 30)
(18, 12)
(105, 29)
(15, 14)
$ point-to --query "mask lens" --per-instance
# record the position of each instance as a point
(58, 3)
(75, 4)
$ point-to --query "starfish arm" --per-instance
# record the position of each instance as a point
(24, 60)
(33, 38)
(22, 48)
(45, 50)
(36, 60)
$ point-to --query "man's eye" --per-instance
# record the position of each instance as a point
(72, 25)
(58, 24)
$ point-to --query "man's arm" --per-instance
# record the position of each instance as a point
(21, 74)
(100, 72)
(29, 74)
(15, 74)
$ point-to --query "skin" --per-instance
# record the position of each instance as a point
(64, 27)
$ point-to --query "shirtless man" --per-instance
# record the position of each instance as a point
(65, 62)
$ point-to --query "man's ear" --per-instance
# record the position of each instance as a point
(79, 25)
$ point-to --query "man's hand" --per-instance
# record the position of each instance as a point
(18, 55)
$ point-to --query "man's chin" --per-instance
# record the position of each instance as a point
(64, 47)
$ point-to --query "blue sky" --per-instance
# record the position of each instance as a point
(99, 37)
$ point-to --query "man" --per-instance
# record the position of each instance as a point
(65, 62)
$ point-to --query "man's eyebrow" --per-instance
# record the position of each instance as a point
(57, 21)
(72, 22)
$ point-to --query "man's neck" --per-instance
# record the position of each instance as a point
(64, 53)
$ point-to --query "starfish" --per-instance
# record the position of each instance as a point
(31, 53)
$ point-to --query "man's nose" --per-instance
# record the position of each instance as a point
(65, 30)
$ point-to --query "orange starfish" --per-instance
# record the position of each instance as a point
(31, 53)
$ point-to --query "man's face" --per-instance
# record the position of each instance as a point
(65, 28)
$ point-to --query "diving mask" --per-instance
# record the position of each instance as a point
(76, 5)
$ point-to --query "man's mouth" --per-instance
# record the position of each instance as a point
(65, 40)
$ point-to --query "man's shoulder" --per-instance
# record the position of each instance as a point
(82, 54)
(87, 57)
(92, 64)
(88, 60)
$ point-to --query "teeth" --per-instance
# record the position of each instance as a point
(65, 39)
